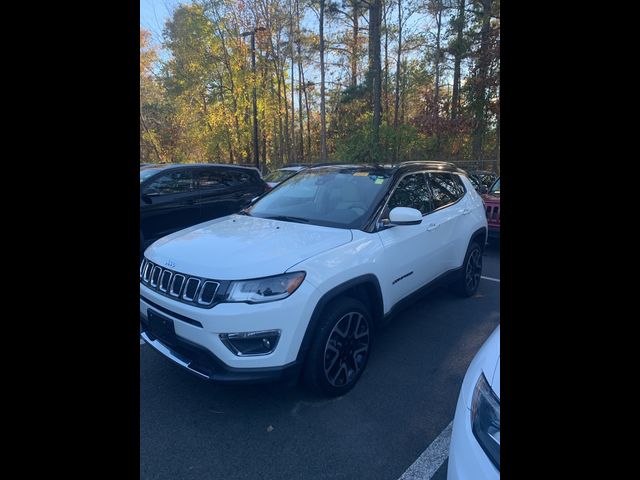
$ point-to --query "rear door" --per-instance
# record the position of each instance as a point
(217, 193)
(447, 219)
(168, 204)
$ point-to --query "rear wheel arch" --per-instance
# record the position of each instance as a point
(480, 237)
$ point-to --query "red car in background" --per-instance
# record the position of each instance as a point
(492, 207)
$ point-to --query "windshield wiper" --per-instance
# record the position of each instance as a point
(286, 218)
(244, 212)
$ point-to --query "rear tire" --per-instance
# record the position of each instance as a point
(467, 284)
(340, 349)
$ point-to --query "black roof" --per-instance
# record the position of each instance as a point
(167, 166)
(403, 167)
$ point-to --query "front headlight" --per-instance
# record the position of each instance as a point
(268, 289)
(485, 419)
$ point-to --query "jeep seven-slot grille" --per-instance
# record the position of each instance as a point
(197, 291)
(493, 213)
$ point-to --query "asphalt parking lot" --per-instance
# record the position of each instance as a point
(191, 429)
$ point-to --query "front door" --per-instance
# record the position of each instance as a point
(410, 250)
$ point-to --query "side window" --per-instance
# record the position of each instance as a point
(172, 182)
(210, 178)
(447, 188)
(237, 178)
(412, 192)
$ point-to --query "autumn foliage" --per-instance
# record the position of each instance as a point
(434, 78)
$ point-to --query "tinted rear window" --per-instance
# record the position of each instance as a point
(447, 188)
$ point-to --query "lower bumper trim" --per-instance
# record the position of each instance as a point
(207, 366)
(171, 355)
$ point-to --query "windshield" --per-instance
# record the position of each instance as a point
(279, 175)
(495, 190)
(148, 172)
(334, 197)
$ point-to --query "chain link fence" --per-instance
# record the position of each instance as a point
(491, 165)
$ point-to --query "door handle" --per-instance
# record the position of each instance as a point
(432, 226)
(465, 211)
(191, 202)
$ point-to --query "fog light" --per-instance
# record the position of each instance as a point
(251, 343)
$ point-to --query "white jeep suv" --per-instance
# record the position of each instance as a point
(297, 282)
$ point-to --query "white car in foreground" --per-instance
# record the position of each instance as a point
(474, 453)
(297, 282)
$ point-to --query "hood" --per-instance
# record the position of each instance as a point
(241, 247)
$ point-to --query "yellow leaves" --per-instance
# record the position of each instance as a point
(148, 52)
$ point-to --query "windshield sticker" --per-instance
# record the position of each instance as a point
(379, 181)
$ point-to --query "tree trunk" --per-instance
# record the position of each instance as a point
(323, 117)
(436, 98)
(455, 97)
(281, 137)
(437, 59)
(398, 68)
(306, 103)
(293, 113)
(480, 84)
(294, 149)
(387, 111)
(375, 71)
(355, 31)
(300, 81)
(287, 139)
(234, 102)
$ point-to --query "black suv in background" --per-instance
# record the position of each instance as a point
(177, 196)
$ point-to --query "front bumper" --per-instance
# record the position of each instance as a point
(206, 365)
(195, 344)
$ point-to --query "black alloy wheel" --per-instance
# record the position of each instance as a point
(473, 270)
(340, 348)
(346, 350)
(469, 280)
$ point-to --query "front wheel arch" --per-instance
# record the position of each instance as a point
(365, 288)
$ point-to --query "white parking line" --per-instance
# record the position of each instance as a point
(431, 459)
(492, 279)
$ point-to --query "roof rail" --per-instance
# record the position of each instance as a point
(297, 165)
(428, 161)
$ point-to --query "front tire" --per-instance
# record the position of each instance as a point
(340, 349)
(467, 284)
